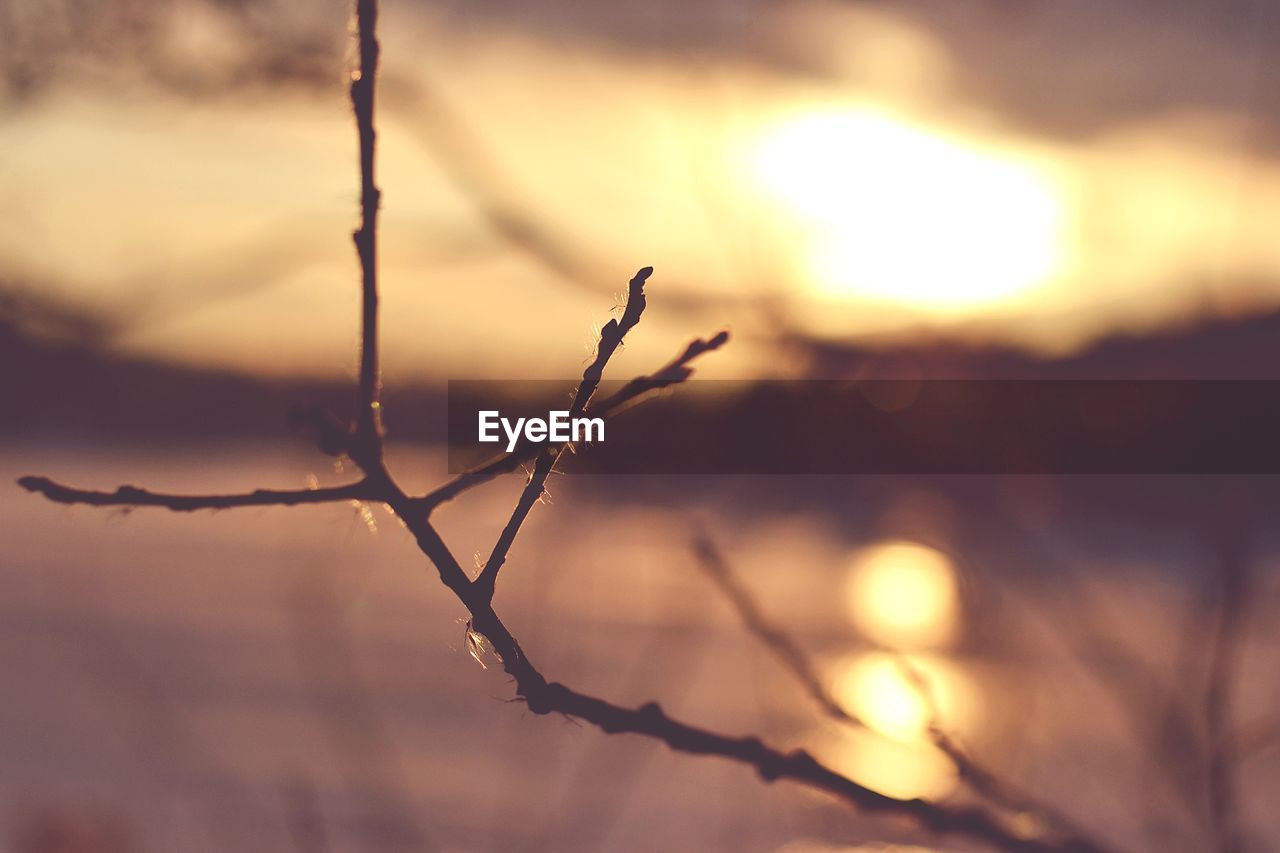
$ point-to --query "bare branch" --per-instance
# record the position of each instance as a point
(543, 697)
(610, 339)
(1226, 650)
(132, 496)
(798, 663)
(672, 373)
(777, 640)
(363, 86)
(364, 444)
(797, 766)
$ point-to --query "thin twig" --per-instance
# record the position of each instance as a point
(798, 663)
(363, 87)
(610, 339)
(771, 764)
(1225, 652)
(541, 696)
(132, 496)
(676, 371)
(774, 637)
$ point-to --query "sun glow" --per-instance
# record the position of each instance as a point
(894, 213)
(895, 768)
(899, 696)
(903, 595)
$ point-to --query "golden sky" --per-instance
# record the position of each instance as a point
(526, 175)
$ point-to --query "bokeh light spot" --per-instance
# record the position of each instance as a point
(904, 595)
(895, 213)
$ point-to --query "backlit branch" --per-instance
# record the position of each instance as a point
(363, 443)
(775, 638)
(794, 659)
(672, 373)
(797, 766)
(1225, 655)
(363, 88)
(677, 370)
(610, 339)
(543, 697)
(132, 496)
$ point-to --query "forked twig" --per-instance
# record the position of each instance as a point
(672, 373)
(610, 339)
(363, 444)
(801, 667)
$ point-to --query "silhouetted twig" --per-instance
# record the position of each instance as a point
(134, 496)
(601, 762)
(798, 663)
(672, 373)
(1227, 645)
(610, 339)
(368, 431)
(362, 442)
(776, 639)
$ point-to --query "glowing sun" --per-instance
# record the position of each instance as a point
(894, 213)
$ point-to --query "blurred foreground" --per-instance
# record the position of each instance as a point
(276, 679)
